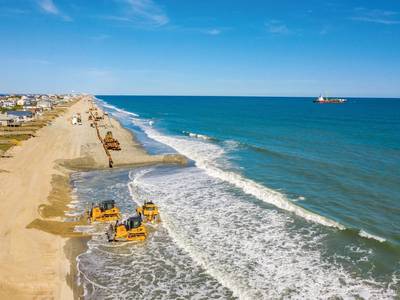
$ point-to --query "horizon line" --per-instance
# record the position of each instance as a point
(246, 96)
(186, 95)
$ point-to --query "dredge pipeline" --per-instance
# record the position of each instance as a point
(94, 119)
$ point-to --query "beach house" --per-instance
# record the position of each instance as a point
(7, 103)
(20, 115)
(7, 120)
(44, 104)
(21, 101)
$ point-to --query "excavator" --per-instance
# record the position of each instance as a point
(132, 229)
(149, 212)
(104, 212)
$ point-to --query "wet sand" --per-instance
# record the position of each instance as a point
(37, 244)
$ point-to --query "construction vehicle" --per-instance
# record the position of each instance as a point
(149, 212)
(97, 117)
(74, 120)
(132, 229)
(79, 119)
(104, 212)
(110, 143)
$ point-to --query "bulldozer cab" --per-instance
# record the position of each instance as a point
(149, 207)
(107, 205)
(131, 229)
(148, 211)
(104, 211)
(133, 222)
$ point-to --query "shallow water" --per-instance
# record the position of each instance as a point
(251, 220)
(153, 269)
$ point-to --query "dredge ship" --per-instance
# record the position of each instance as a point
(322, 100)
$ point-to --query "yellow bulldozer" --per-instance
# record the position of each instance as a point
(110, 142)
(104, 212)
(149, 212)
(132, 229)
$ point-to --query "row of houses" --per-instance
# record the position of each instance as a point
(32, 101)
(16, 117)
(16, 109)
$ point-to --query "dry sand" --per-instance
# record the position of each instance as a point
(34, 191)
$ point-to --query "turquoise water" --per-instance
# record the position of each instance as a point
(283, 197)
(344, 160)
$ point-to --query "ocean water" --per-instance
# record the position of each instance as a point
(283, 198)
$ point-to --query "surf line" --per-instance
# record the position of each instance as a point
(239, 290)
(248, 186)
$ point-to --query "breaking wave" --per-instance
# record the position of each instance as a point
(198, 136)
(367, 235)
(120, 110)
(243, 245)
(206, 157)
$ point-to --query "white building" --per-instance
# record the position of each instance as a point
(44, 104)
(21, 102)
(20, 115)
(6, 120)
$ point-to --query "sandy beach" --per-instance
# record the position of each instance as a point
(34, 253)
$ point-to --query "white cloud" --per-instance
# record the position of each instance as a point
(213, 31)
(378, 16)
(116, 18)
(208, 31)
(48, 6)
(277, 27)
(146, 12)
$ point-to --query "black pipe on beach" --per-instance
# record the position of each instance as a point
(110, 161)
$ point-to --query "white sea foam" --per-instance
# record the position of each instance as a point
(84, 228)
(72, 214)
(137, 269)
(105, 104)
(208, 162)
(231, 145)
(251, 250)
(206, 157)
(197, 135)
(247, 248)
(367, 235)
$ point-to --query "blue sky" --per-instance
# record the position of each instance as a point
(188, 47)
